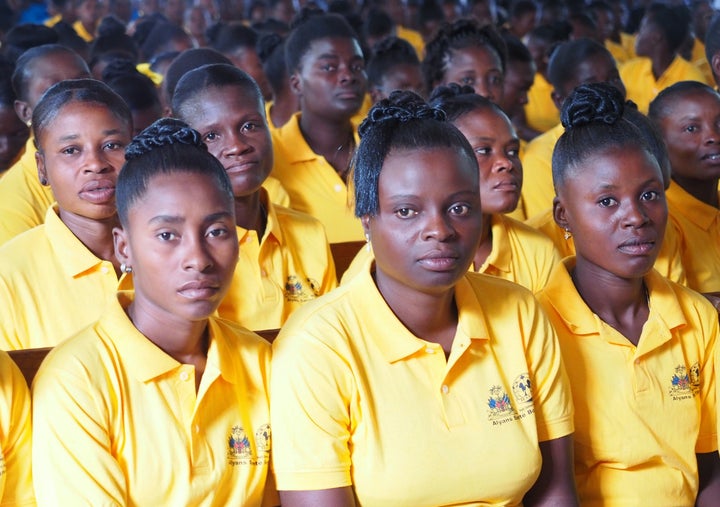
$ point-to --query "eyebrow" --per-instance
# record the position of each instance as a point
(72, 137)
(176, 219)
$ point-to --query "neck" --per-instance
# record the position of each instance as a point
(660, 62)
(704, 191)
(96, 235)
(283, 107)
(332, 140)
(485, 245)
(250, 213)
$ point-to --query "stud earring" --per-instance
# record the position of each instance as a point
(367, 241)
(28, 123)
(43, 182)
(567, 234)
(125, 268)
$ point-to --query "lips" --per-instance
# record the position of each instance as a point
(711, 157)
(241, 167)
(638, 247)
(98, 191)
(440, 260)
(349, 95)
(508, 185)
(199, 289)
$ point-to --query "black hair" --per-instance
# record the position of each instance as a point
(673, 22)
(522, 7)
(212, 76)
(68, 37)
(271, 25)
(712, 38)
(227, 37)
(20, 38)
(460, 34)
(652, 136)
(159, 37)
(457, 101)
(271, 51)
(136, 89)
(186, 61)
(659, 106)
(430, 10)
(378, 23)
(516, 50)
(24, 66)
(168, 146)
(567, 56)
(7, 94)
(404, 121)
(387, 54)
(88, 91)
(593, 119)
(307, 31)
(112, 38)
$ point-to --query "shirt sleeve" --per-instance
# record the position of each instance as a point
(73, 462)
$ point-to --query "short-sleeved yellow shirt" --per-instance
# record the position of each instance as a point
(16, 487)
(357, 399)
(119, 422)
(82, 31)
(414, 38)
(23, 200)
(51, 286)
(698, 226)
(313, 184)
(541, 114)
(668, 263)
(538, 190)
(641, 85)
(290, 266)
(617, 51)
(641, 413)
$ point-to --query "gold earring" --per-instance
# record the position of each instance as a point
(567, 234)
(367, 241)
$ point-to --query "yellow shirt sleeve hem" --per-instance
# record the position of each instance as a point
(556, 429)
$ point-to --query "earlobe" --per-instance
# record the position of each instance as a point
(715, 66)
(22, 109)
(295, 84)
(122, 250)
(557, 99)
(41, 170)
(559, 214)
(365, 221)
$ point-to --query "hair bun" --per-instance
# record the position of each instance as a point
(592, 103)
(401, 106)
(267, 44)
(449, 91)
(164, 132)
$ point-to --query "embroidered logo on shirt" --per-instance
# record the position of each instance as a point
(683, 384)
(296, 292)
(503, 410)
(240, 450)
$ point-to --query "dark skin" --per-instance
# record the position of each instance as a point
(651, 43)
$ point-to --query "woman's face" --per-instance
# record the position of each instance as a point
(231, 121)
(496, 148)
(427, 227)
(331, 80)
(182, 246)
(247, 59)
(691, 129)
(403, 76)
(614, 206)
(80, 154)
(13, 135)
(476, 66)
(49, 70)
(599, 68)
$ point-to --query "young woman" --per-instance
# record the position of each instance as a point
(419, 383)
(23, 200)
(508, 248)
(466, 53)
(638, 348)
(688, 116)
(285, 259)
(163, 404)
(13, 132)
(312, 150)
(57, 278)
(283, 103)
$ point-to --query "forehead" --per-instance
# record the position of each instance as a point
(340, 47)
(223, 101)
(476, 54)
(706, 101)
(82, 117)
(483, 121)
(181, 193)
(623, 164)
(426, 169)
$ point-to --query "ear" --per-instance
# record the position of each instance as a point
(715, 66)
(122, 248)
(41, 169)
(560, 214)
(375, 94)
(365, 221)
(23, 110)
(295, 84)
(557, 99)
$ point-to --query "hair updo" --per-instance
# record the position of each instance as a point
(404, 121)
(457, 101)
(168, 146)
(593, 119)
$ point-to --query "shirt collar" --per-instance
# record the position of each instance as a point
(501, 254)
(296, 148)
(272, 228)
(77, 259)
(699, 213)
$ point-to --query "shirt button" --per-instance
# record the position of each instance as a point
(338, 187)
(197, 428)
(248, 239)
(263, 273)
(184, 375)
(445, 389)
(104, 269)
(430, 350)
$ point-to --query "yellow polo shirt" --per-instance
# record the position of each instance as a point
(698, 226)
(413, 37)
(23, 200)
(117, 421)
(276, 192)
(617, 51)
(290, 266)
(641, 413)
(51, 286)
(538, 191)
(699, 60)
(15, 436)
(641, 85)
(380, 409)
(627, 41)
(541, 113)
(314, 186)
(82, 32)
(668, 263)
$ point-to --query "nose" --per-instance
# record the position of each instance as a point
(501, 163)
(346, 74)
(438, 227)
(713, 134)
(238, 145)
(96, 161)
(195, 255)
(635, 214)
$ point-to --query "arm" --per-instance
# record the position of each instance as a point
(336, 497)
(556, 484)
(709, 479)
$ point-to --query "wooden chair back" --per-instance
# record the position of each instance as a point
(28, 360)
(343, 254)
(268, 334)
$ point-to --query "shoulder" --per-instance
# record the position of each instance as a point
(494, 293)
(238, 336)
(292, 218)
(25, 251)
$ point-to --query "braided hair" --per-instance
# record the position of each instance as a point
(168, 146)
(404, 121)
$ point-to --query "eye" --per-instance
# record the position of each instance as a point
(607, 202)
(210, 137)
(249, 126)
(166, 236)
(70, 150)
(650, 195)
(328, 67)
(495, 80)
(358, 67)
(691, 128)
(483, 150)
(459, 210)
(217, 232)
(405, 213)
(114, 145)
(513, 152)
(470, 81)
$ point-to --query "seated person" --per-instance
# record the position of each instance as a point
(393, 66)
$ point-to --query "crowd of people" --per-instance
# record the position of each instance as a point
(530, 189)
